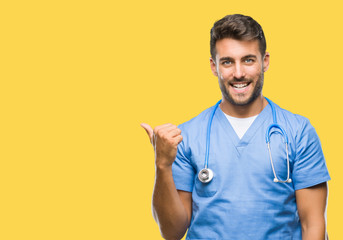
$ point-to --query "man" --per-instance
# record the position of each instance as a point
(257, 192)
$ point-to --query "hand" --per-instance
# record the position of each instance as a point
(164, 139)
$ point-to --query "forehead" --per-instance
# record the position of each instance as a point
(232, 48)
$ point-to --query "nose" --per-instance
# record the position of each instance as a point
(238, 71)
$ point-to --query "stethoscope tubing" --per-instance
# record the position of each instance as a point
(205, 175)
(208, 135)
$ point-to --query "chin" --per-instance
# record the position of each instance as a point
(240, 101)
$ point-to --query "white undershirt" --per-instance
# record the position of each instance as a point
(240, 125)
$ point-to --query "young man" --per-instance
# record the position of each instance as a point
(243, 169)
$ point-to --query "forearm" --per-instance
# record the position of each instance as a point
(168, 209)
(314, 231)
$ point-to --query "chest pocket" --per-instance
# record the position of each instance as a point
(205, 189)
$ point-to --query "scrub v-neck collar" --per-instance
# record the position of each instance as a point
(228, 129)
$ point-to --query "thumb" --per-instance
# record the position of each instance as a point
(148, 130)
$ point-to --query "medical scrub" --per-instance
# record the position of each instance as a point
(242, 201)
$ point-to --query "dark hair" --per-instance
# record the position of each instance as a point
(238, 27)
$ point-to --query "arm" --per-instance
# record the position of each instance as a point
(171, 208)
(311, 204)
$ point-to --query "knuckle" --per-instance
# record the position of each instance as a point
(163, 136)
(166, 125)
(158, 131)
(172, 141)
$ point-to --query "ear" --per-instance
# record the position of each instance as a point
(213, 67)
(266, 61)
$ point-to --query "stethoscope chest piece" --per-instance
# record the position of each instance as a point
(205, 175)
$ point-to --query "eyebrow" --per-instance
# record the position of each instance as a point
(250, 56)
(225, 58)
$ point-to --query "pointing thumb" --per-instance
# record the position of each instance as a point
(148, 130)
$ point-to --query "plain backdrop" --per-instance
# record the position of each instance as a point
(78, 77)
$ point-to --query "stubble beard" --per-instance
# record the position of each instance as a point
(255, 94)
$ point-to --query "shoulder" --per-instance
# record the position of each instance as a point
(194, 129)
(291, 117)
(296, 120)
(296, 124)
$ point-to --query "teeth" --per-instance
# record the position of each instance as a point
(240, 85)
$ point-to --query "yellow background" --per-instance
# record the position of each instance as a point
(78, 77)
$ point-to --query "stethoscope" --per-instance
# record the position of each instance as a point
(206, 175)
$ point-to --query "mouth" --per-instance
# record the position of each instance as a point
(240, 85)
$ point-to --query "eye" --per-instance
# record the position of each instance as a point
(249, 60)
(226, 62)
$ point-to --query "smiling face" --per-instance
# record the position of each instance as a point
(240, 69)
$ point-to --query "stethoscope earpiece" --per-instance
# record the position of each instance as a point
(289, 180)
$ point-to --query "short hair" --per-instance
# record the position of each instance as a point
(238, 27)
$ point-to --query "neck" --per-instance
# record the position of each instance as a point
(245, 111)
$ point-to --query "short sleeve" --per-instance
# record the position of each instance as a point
(309, 167)
(183, 170)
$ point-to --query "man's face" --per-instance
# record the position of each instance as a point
(240, 69)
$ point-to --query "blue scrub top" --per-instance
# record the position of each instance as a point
(242, 201)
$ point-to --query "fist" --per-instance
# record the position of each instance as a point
(164, 139)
